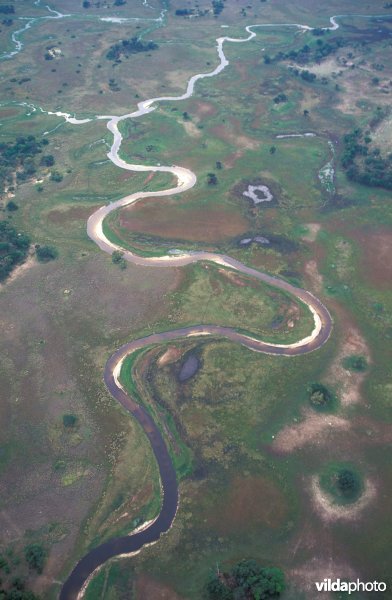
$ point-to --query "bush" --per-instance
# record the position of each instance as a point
(342, 482)
(355, 362)
(46, 253)
(69, 420)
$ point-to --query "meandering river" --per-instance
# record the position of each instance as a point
(76, 583)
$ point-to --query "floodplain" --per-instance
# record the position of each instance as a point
(255, 457)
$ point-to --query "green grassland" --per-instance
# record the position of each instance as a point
(69, 490)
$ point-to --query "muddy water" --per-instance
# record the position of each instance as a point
(189, 368)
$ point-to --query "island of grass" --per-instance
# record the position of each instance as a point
(342, 482)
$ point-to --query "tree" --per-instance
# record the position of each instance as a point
(47, 160)
(46, 253)
(12, 206)
(306, 113)
(56, 176)
(347, 482)
(272, 149)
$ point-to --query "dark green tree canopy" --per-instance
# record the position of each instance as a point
(247, 580)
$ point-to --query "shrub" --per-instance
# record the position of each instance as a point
(46, 253)
(56, 176)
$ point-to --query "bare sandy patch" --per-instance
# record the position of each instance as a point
(355, 86)
(231, 159)
(204, 109)
(328, 510)
(20, 270)
(171, 355)
(348, 382)
(191, 129)
(310, 101)
(326, 67)
(316, 569)
(313, 229)
(231, 133)
(316, 280)
(314, 429)
(233, 277)
(177, 79)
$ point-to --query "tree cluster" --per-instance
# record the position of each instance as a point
(363, 164)
(247, 580)
(316, 52)
(217, 7)
(12, 586)
(14, 247)
(280, 98)
(7, 9)
(184, 12)
(20, 157)
(127, 47)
